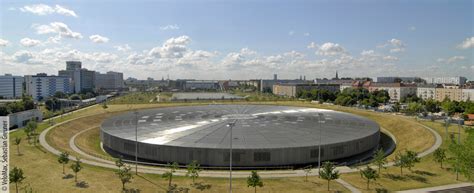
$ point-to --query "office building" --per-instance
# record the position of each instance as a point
(109, 81)
(42, 86)
(11, 86)
(82, 79)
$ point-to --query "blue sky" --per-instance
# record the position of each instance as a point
(240, 39)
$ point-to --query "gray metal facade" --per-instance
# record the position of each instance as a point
(272, 136)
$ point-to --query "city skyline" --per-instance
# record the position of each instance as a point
(240, 40)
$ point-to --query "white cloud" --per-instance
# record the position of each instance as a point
(27, 42)
(390, 58)
(451, 60)
(367, 53)
(472, 67)
(307, 34)
(172, 48)
(170, 27)
(4, 42)
(60, 29)
(397, 45)
(42, 9)
(330, 49)
(291, 32)
(294, 54)
(22, 56)
(312, 45)
(63, 11)
(98, 39)
(466, 44)
(412, 28)
(123, 48)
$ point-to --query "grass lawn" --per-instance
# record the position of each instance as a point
(44, 173)
(427, 173)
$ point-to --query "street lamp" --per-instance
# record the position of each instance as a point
(320, 118)
(230, 125)
(136, 142)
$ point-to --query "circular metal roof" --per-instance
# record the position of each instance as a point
(256, 126)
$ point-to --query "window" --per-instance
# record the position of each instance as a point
(261, 156)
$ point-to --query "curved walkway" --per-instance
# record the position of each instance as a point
(96, 161)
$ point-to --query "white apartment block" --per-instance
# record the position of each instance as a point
(459, 80)
(396, 91)
(42, 86)
(468, 94)
(426, 92)
(11, 86)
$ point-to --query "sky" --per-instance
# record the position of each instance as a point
(240, 39)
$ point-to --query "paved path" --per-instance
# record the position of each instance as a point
(96, 161)
(348, 186)
(453, 188)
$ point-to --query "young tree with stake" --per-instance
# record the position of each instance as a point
(76, 168)
(440, 156)
(169, 174)
(16, 176)
(369, 174)
(329, 172)
(63, 159)
(379, 159)
(124, 175)
(193, 170)
(17, 142)
(254, 181)
(307, 171)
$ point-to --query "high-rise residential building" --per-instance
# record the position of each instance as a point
(109, 81)
(73, 65)
(42, 86)
(395, 79)
(459, 80)
(11, 86)
(82, 79)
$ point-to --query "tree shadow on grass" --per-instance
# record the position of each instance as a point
(395, 177)
(82, 184)
(424, 173)
(317, 183)
(201, 186)
(417, 178)
(68, 176)
(157, 185)
(131, 190)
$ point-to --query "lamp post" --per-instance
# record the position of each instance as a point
(320, 117)
(136, 142)
(230, 125)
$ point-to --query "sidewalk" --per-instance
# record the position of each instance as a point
(462, 187)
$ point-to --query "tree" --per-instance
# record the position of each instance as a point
(63, 159)
(30, 130)
(16, 176)
(4, 111)
(369, 174)
(307, 171)
(76, 168)
(124, 175)
(439, 156)
(254, 181)
(379, 159)
(17, 142)
(119, 162)
(329, 172)
(169, 174)
(462, 160)
(412, 159)
(193, 170)
(400, 161)
(104, 105)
